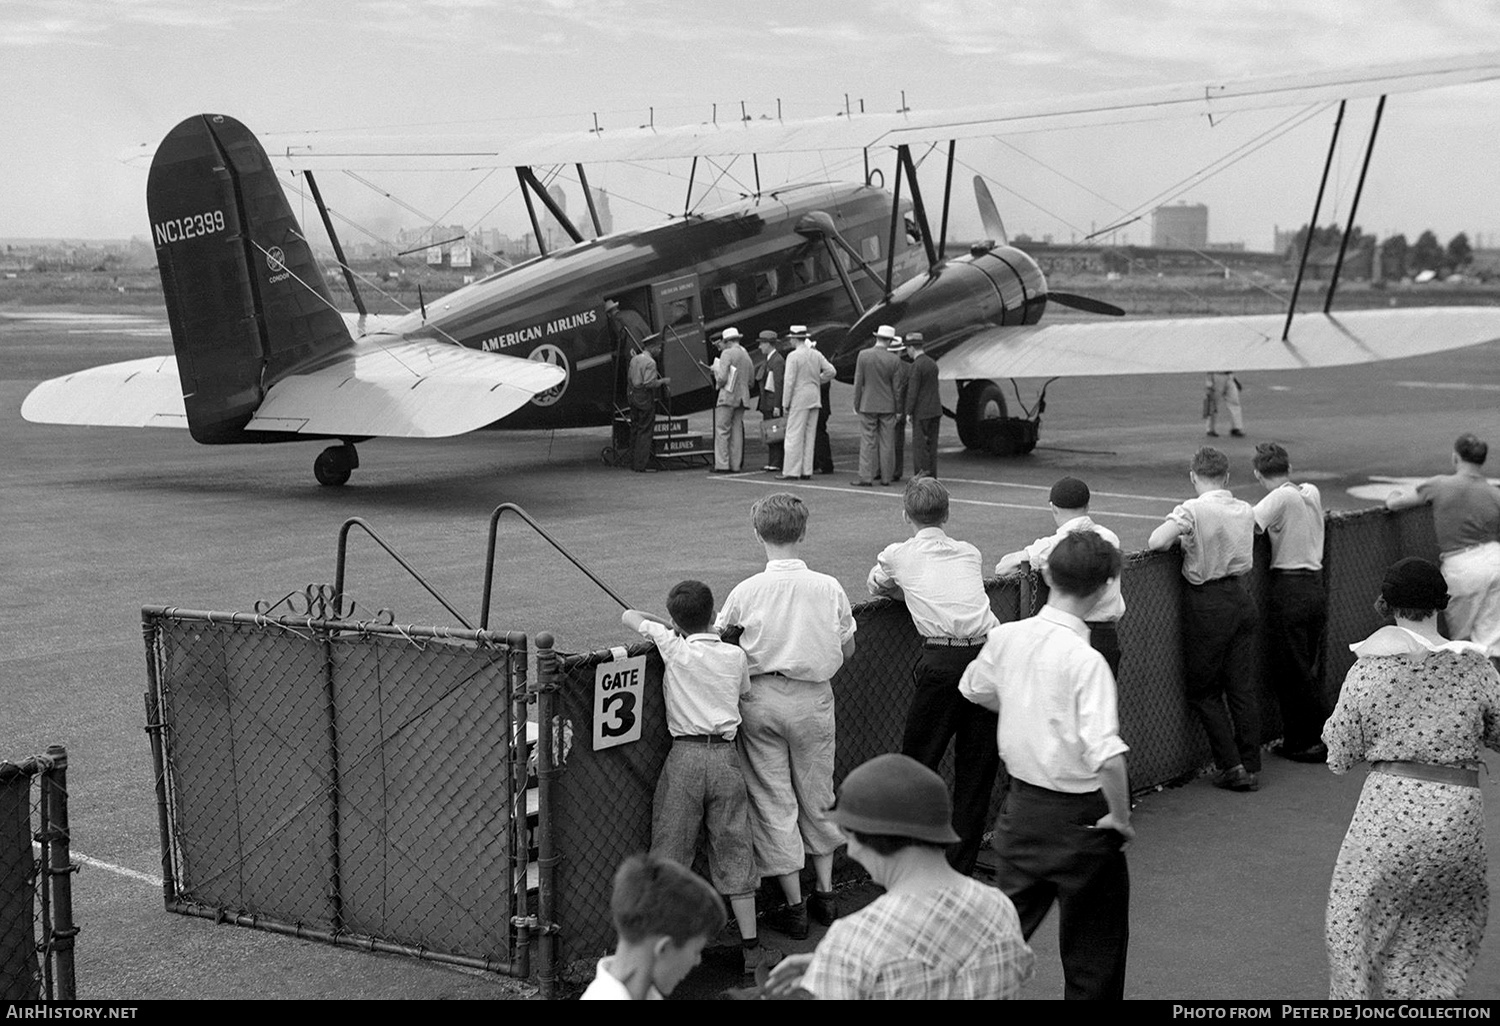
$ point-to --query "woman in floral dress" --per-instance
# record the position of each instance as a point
(1408, 901)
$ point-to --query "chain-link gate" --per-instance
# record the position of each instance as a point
(350, 781)
(36, 890)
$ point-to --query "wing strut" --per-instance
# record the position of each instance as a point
(947, 192)
(536, 226)
(904, 152)
(1313, 224)
(1353, 208)
(588, 197)
(338, 250)
(890, 249)
(529, 180)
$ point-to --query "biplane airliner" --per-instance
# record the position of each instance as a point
(264, 355)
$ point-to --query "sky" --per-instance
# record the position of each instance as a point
(86, 80)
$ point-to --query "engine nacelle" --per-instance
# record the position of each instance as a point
(987, 288)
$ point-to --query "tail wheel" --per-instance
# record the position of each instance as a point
(334, 465)
(984, 422)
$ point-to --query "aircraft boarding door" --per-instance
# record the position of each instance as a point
(683, 345)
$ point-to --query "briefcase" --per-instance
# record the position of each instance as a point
(773, 429)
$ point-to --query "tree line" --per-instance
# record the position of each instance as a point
(1398, 257)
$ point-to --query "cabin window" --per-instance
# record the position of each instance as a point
(765, 285)
(724, 298)
(869, 248)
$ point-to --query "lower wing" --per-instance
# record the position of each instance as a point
(379, 387)
(1216, 343)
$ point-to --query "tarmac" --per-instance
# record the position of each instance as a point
(1229, 889)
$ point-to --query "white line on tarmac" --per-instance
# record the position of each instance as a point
(108, 867)
(751, 474)
(888, 493)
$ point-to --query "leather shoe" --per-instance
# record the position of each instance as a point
(1237, 433)
(790, 920)
(805, 477)
(1237, 778)
(823, 906)
(759, 960)
(1211, 434)
(863, 484)
(1312, 753)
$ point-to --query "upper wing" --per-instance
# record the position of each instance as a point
(382, 386)
(863, 131)
(1216, 343)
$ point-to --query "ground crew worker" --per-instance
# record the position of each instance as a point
(645, 382)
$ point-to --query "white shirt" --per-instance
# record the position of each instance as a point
(1293, 516)
(1055, 697)
(796, 621)
(943, 581)
(606, 988)
(1111, 604)
(704, 680)
(1217, 532)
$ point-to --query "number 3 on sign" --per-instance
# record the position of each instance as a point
(619, 687)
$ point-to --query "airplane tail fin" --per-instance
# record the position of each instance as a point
(245, 297)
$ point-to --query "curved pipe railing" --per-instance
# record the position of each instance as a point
(489, 560)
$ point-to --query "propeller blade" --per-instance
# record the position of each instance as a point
(989, 214)
(1077, 302)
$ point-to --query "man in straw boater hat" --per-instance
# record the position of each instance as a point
(934, 933)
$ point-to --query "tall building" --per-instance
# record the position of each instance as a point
(1184, 226)
(601, 207)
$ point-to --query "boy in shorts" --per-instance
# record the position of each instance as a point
(701, 783)
(664, 915)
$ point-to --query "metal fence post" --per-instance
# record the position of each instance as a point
(59, 870)
(520, 820)
(546, 688)
(158, 760)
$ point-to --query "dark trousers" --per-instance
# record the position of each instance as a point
(1218, 639)
(642, 427)
(1296, 615)
(1050, 851)
(938, 713)
(822, 446)
(924, 444)
(1104, 638)
(900, 453)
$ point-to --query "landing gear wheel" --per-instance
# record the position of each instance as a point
(984, 422)
(334, 465)
(608, 455)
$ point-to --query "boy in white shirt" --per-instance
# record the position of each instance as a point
(664, 915)
(702, 783)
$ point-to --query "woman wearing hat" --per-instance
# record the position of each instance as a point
(1408, 901)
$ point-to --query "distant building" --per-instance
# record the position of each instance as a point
(601, 207)
(1184, 226)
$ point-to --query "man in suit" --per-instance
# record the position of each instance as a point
(806, 372)
(733, 373)
(875, 402)
(903, 376)
(924, 407)
(771, 373)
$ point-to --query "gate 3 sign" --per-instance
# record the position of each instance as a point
(619, 687)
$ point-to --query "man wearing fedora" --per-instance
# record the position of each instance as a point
(733, 373)
(806, 371)
(924, 406)
(934, 934)
(875, 402)
(899, 350)
(769, 375)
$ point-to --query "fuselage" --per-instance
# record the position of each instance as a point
(743, 265)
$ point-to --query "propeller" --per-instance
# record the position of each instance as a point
(1078, 302)
(994, 228)
(989, 214)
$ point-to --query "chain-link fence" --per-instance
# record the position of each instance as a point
(600, 800)
(350, 782)
(36, 895)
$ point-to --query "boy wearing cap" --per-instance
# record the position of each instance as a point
(1065, 818)
(1069, 500)
(768, 376)
(733, 373)
(664, 916)
(801, 397)
(942, 582)
(1297, 607)
(1217, 534)
(924, 406)
(798, 630)
(934, 934)
(875, 402)
(702, 786)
